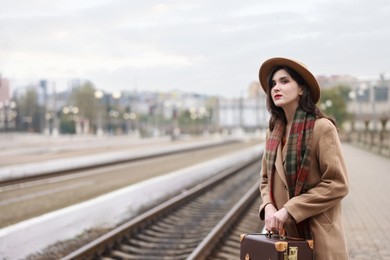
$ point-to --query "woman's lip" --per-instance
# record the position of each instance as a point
(277, 96)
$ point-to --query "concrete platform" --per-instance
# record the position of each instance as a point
(367, 206)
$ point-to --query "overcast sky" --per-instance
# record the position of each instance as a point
(212, 47)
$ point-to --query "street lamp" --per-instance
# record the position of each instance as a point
(7, 114)
(99, 95)
(129, 117)
(171, 112)
(359, 95)
(116, 95)
(70, 110)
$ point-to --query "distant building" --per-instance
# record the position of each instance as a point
(7, 107)
(249, 113)
(4, 89)
(336, 80)
(370, 102)
(154, 112)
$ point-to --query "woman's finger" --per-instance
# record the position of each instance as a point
(281, 229)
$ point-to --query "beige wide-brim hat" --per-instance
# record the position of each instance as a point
(268, 65)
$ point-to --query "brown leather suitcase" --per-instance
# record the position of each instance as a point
(256, 246)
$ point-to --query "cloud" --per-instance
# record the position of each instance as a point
(215, 48)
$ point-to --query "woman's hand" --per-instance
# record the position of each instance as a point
(281, 217)
(275, 219)
(269, 219)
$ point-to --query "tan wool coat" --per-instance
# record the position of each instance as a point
(328, 182)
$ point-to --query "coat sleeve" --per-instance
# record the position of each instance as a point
(264, 187)
(333, 184)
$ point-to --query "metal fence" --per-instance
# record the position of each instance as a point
(377, 141)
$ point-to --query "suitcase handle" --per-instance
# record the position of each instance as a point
(275, 235)
(270, 234)
(283, 237)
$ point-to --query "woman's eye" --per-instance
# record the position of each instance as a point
(285, 81)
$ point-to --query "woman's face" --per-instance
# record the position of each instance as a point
(285, 90)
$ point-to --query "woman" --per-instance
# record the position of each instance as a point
(304, 176)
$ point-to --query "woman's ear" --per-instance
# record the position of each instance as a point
(300, 90)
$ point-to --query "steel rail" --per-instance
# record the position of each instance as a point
(112, 239)
(211, 241)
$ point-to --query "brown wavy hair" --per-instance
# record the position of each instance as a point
(305, 102)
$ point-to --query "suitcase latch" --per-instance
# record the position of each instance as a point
(292, 253)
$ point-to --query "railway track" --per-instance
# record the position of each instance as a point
(201, 223)
(58, 170)
(33, 197)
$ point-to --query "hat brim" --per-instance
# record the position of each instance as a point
(309, 78)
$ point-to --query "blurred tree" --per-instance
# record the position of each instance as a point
(83, 97)
(194, 122)
(333, 102)
(29, 111)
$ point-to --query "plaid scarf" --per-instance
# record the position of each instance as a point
(298, 158)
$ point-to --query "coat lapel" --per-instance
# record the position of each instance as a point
(279, 166)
